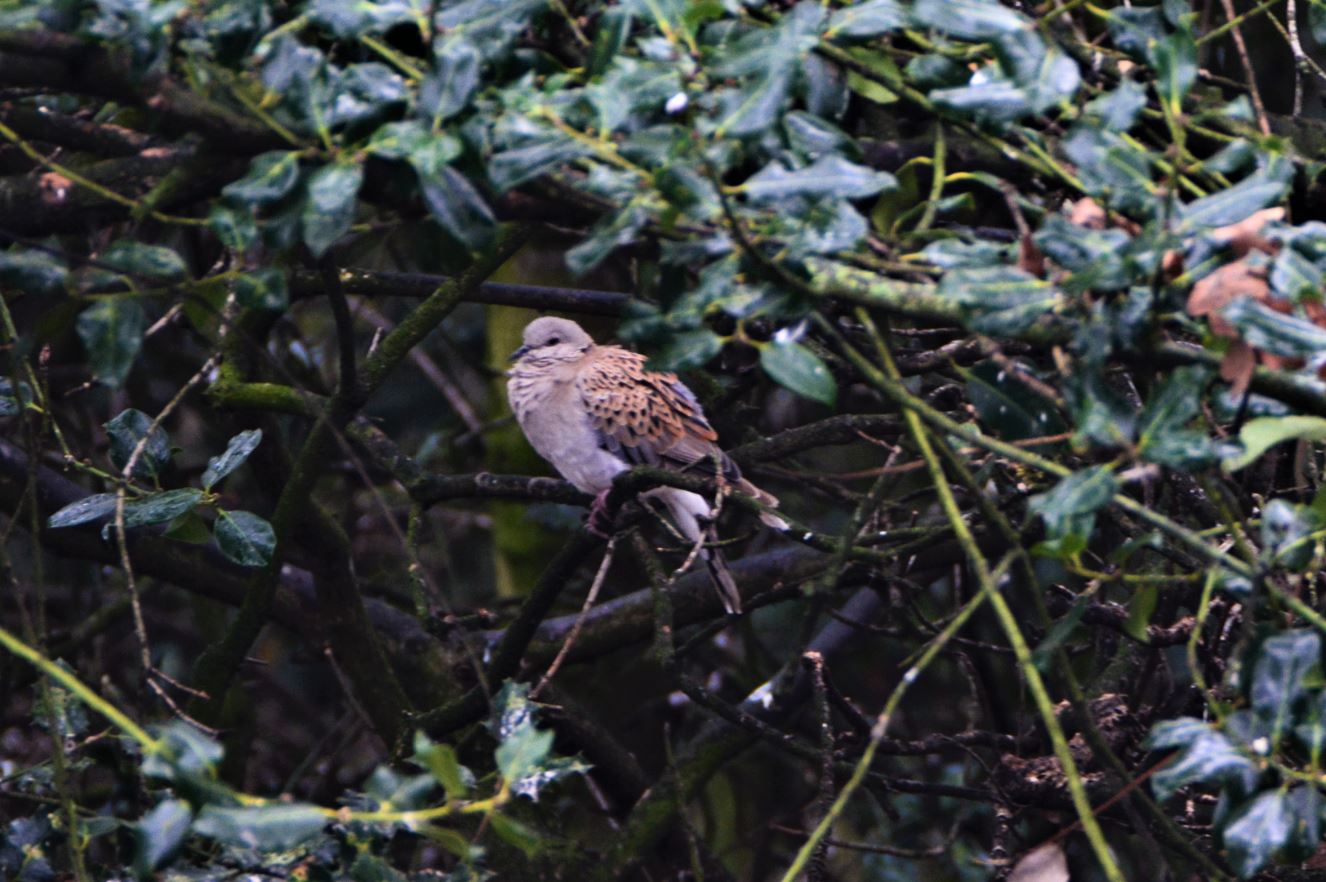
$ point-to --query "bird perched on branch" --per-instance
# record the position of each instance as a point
(594, 412)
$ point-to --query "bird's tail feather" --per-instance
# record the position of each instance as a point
(768, 518)
(724, 584)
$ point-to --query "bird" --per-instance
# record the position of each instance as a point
(593, 412)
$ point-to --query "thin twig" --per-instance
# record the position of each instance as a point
(571, 636)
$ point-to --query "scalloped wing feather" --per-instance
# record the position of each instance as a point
(647, 417)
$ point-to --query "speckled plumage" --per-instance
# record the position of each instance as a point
(594, 411)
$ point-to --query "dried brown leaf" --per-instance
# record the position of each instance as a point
(1236, 367)
(1245, 235)
(1222, 287)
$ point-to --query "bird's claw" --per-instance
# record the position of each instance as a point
(599, 522)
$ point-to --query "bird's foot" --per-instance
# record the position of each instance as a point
(600, 522)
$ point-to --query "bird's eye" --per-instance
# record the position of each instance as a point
(554, 341)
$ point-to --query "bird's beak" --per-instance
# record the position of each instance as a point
(516, 356)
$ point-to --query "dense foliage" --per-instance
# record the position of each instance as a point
(1017, 308)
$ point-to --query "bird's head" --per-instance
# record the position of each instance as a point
(553, 338)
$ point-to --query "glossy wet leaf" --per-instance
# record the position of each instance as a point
(1009, 405)
(830, 175)
(237, 451)
(235, 228)
(1287, 666)
(1069, 508)
(968, 19)
(89, 508)
(999, 300)
(1257, 191)
(270, 177)
(330, 207)
(523, 753)
(1258, 829)
(264, 288)
(797, 368)
(1205, 756)
(33, 270)
(869, 19)
(160, 508)
(152, 262)
(1275, 332)
(126, 431)
(244, 537)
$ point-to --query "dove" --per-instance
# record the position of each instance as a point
(594, 411)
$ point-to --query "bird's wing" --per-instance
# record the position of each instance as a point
(648, 418)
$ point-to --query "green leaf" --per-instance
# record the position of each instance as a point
(455, 78)
(12, 404)
(689, 349)
(1257, 830)
(125, 431)
(33, 271)
(1261, 434)
(769, 60)
(869, 87)
(89, 508)
(1285, 528)
(610, 36)
(999, 300)
(353, 18)
(330, 208)
(1175, 61)
(237, 450)
(138, 259)
(236, 228)
(512, 710)
(1117, 109)
(814, 137)
(1163, 437)
(968, 19)
(1140, 609)
(1287, 666)
(1294, 276)
(523, 753)
(861, 21)
(517, 833)
(1069, 508)
(159, 508)
(185, 752)
(441, 762)
(1043, 655)
(1275, 332)
(1317, 20)
(271, 176)
(797, 368)
(1112, 168)
(1205, 756)
(262, 828)
(398, 140)
(452, 200)
(264, 288)
(553, 769)
(159, 835)
(829, 175)
(244, 537)
(112, 333)
(1008, 405)
(1259, 190)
